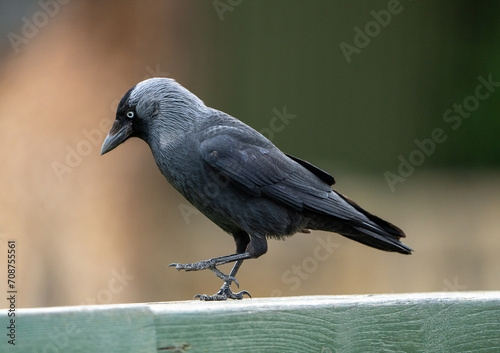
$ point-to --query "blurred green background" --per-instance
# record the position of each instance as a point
(366, 84)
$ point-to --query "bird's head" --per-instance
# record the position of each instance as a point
(156, 107)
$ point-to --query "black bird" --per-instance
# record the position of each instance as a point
(238, 178)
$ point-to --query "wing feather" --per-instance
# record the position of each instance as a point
(265, 170)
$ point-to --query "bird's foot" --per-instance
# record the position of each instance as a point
(206, 265)
(224, 294)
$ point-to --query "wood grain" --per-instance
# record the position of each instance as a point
(426, 322)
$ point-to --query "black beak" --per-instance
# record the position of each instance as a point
(120, 131)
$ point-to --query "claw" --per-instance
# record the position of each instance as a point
(186, 267)
(230, 279)
(245, 292)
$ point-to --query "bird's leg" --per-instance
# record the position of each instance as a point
(225, 292)
(210, 264)
(226, 278)
(249, 250)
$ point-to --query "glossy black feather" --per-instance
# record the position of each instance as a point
(236, 176)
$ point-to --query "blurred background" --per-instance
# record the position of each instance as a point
(399, 101)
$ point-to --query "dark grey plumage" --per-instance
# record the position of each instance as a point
(238, 178)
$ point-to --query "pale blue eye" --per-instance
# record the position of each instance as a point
(130, 114)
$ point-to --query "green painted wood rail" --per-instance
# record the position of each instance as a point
(425, 322)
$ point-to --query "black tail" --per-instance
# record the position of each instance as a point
(376, 233)
(376, 238)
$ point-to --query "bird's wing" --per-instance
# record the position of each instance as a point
(327, 178)
(260, 168)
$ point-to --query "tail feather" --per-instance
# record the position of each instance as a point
(377, 238)
(376, 233)
(386, 226)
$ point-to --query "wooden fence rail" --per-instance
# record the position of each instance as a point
(425, 322)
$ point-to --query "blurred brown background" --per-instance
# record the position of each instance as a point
(93, 229)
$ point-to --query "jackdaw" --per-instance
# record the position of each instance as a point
(238, 179)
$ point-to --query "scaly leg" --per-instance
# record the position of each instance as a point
(209, 264)
(225, 291)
